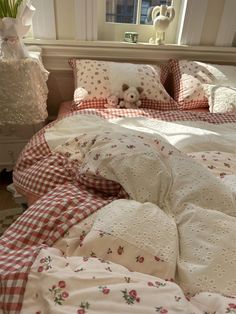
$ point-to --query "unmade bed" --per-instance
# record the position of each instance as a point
(132, 210)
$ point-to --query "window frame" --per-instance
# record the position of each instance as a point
(44, 22)
(227, 28)
(189, 28)
(109, 31)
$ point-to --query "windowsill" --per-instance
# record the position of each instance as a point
(101, 43)
(55, 53)
(97, 43)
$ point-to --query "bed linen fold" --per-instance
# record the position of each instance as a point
(166, 190)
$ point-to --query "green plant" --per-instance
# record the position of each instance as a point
(8, 8)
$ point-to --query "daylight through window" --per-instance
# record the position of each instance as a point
(131, 11)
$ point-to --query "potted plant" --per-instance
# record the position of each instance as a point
(15, 22)
(8, 8)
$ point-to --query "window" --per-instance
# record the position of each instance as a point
(115, 17)
(131, 11)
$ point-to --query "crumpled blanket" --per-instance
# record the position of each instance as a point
(174, 233)
(151, 170)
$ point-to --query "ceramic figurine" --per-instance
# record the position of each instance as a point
(161, 22)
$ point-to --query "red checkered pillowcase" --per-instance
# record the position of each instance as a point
(96, 80)
(197, 85)
(188, 79)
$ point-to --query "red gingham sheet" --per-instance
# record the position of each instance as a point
(62, 202)
(40, 226)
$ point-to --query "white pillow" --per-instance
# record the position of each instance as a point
(221, 98)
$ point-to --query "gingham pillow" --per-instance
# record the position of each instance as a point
(96, 80)
(190, 79)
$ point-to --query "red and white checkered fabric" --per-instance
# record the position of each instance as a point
(38, 170)
(64, 200)
(103, 185)
(41, 225)
(180, 90)
(146, 103)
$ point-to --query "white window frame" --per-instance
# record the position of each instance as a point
(191, 25)
(115, 31)
(88, 22)
(86, 19)
(44, 23)
(227, 28)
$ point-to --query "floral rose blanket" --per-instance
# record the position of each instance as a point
(166, 240)
(149, 228)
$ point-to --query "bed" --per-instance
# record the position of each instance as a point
(132, 210)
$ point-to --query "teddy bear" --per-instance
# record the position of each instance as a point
(130, 97)
(112, 102)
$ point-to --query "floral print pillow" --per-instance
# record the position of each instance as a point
(97, 80)
(190, 79)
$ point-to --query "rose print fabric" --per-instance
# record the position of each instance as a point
(198, 84)
(220, 163)
(97, 80)
(120, 234)
(173, 233)
(91, 285)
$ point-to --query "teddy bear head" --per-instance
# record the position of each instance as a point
(130, 93)
(131, 96)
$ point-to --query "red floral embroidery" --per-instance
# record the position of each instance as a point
(140, 259)
(83, 307)
(104, 289)
(61, 284)
(156, 284)
(231, 308)
(40, 269)
(158, 259)
(131, 296)
(46, 264)
(58, 295)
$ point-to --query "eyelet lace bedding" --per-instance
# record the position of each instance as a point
(167, 245)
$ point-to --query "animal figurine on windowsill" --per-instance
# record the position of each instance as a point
(162, 16)
(130, 97)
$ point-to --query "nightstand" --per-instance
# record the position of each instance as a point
(23, 107)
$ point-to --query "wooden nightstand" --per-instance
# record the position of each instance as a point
(23, 108)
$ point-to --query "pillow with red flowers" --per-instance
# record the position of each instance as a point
(96, 81)
(192, 78)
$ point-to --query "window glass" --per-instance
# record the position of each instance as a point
(131, 11)
(121, 11)
(111, 25)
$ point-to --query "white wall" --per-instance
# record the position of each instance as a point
(65, 21)
(212, 22)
